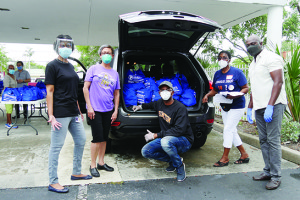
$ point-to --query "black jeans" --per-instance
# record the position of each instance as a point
(25, 110)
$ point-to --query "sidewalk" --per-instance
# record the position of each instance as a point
(287, 153)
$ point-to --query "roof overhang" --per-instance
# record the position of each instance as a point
(94, 22)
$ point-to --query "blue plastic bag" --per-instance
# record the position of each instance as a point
(35, 93)
(155, 95)
(138, 76)
(183, 81)
(144, 96)
(129, 77)
(188, 97)
(135, 86)
(130, 97)
(41, 85)
(11, 94)
(177, 97)
(27, 94)
(150, 84)
(176, 86)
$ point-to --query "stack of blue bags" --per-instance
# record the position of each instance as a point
(25, 93)
(1, 86)
(139, 89)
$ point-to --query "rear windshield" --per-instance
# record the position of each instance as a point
(135, 32)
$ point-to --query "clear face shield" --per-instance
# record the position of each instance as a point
(62, 43)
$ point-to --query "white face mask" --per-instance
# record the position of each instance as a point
(223, 63)
(165, 95)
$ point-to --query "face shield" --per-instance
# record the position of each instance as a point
(62, 43)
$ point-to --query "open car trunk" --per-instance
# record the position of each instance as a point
(138, 67)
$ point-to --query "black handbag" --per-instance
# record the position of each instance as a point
(226, 106)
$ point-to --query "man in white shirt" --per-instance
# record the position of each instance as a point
(268, 99)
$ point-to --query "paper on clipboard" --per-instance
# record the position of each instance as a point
(220, 98)
(232, 93)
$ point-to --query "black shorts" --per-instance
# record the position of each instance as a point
(100, 126)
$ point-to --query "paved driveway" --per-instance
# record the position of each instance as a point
(24, 159)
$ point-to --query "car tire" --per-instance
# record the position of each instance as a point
(199, 141)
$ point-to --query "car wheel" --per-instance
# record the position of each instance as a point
(199, 141)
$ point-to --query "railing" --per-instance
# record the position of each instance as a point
(244, 68)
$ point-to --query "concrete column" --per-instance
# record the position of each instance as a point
(274, 27)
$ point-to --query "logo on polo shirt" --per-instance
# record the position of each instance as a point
(229, 77)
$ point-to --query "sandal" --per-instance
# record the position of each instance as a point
(241, 161)
(220, 164)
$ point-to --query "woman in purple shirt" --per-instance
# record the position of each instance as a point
(101, 92)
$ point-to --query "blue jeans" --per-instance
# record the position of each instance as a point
(167, 149)
(57, 141)
(269, 138)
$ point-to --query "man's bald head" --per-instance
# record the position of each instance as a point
(254, 38)
(254, 45)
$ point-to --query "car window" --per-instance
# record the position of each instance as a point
(143, 32)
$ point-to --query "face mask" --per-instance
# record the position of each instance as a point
(106, 58)
(223, 63)
(20, 68)
(11, 71)
(165, 95)
(254, 49)
(65, 52)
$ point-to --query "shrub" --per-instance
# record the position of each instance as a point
(290, 130)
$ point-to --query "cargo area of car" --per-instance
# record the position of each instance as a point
(145, 67)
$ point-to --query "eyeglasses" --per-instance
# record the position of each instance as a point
(169, 90)
(104, 52)
(222, 58)
(252, 43)
(65, 44)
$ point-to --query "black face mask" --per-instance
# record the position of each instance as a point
(254, 49)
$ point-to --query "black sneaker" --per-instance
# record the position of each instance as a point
(181, 173)
(171, 168)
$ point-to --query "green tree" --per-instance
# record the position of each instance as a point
(88, 55)
(37, 66)
(236, 35)
(3, 59)
(292, 78)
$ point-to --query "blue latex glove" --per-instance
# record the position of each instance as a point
(269, 113)
(249, 115)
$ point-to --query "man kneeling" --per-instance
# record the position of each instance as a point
(176, 134)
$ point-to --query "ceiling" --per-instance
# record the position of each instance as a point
(95, 22)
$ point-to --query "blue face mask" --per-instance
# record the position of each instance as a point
(106, 58)
(11, 71)
(65, 52)
(20, 68)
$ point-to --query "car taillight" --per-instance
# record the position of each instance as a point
(116, 124)
(210, 121)
(210, 85)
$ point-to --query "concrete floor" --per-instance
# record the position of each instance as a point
(24, 159)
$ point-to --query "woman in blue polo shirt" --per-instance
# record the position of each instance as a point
(230, 79)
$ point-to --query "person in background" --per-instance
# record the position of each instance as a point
(22, 77)
(9, 82)
(230, 79)
(64, 112)
(101, 92)
(176, 135)
(268, 99)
